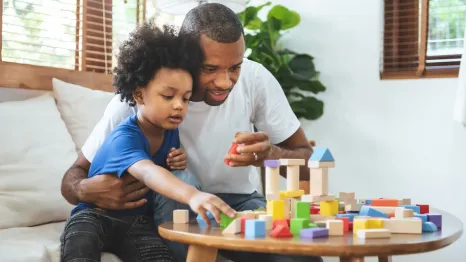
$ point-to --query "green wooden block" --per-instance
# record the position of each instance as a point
(312, 225)
(303, 210)
(225, 220)
(296, 224)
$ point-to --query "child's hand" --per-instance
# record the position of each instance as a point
(176, 159)
(201, 202)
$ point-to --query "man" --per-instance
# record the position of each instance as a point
(225, 103)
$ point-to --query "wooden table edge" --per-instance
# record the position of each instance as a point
(308, 250)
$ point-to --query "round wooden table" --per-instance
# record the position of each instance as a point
(204, 241)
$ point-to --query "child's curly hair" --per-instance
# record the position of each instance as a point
(147, 50)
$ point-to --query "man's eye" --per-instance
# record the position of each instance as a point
(210, 70)
(167, 97)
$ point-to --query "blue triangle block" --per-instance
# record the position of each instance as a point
(321, 154)
(371, 212)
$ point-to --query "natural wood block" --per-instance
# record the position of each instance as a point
(404, 202)
(314, 198)
(347, 197)
(323, 164)
(268, 221)
(335, 227)
(292, 162)
(315, 218)
(373, 233)
(180, 216)
(319, 181)
(291, 194)
(272, 176)
(401, 212)
(292, 178)
(233, 228)
(404, 225)
(274, 196)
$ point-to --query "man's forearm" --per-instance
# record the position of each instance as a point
(305, 153)
(71, 180)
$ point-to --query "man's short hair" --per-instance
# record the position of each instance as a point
(216, 21)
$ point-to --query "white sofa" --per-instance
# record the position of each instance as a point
(40, 134)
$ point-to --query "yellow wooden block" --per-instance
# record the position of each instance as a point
(291, 194)
(360, 223)
(375, 223)
(276, 208)
(329, 208)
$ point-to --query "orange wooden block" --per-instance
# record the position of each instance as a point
(385, 202)
(392, 214)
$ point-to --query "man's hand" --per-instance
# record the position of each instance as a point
(110, 192)
(201, 202)
(176, 159)
(253, 149)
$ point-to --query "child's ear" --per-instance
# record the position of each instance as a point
(138, 96)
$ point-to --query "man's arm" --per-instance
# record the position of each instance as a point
(105, 191)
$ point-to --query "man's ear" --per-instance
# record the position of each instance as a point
(138, 96)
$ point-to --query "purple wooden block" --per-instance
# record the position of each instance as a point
(314, 232)
(272, 163)
(436, 219)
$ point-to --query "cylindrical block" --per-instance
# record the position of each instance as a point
(292, 178)
(272, 175)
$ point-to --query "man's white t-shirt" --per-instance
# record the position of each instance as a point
(207, 132)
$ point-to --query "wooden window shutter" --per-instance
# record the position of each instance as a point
(409, 39)
(96, 36)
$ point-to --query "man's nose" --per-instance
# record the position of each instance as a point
(223, 81)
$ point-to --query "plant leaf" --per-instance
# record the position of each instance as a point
(302, 67)
(287, 18)
(313, 86)
(308, 107)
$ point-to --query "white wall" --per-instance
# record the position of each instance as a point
(389, 138)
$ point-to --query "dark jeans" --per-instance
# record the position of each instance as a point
(131, 238)
(163, 210)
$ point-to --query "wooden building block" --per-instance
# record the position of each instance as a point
(281, 231)
(291, 194)
(416, 209)
(292, 162)
(255, 228)
(314, 233)
(321, 218)
(375, 223)
(423, 209)
(276, 208)
(335, 227)
(272, 176)
(429, 227)
(314, 198)
(373, 233)
(347, 197)
(278, 222)
(317, 164)
(360, 223)
(404, 202)
(404, 225)
(292, 178)
(243, 223)
(302, 210)
(315, 210)
(385, 202)
(319, 181)
(268, 221)
(345, 223)
(329, 208)
(226, 220)
(353, 207)
(401, 212)
(435, 218)
(321, 154)
(272, 196)
(180, 216)
(297, 224)
(233, 228)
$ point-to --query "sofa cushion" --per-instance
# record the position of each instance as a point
(36, 150)
(80, 107)
(36, 244)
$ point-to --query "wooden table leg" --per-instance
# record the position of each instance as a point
(385, 259)
(201, 253)
(351, 259)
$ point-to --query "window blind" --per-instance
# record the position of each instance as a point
(422, 38)
(73, 34)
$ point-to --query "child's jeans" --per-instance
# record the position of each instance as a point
(132, 238)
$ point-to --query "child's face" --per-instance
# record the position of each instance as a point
(164, 102)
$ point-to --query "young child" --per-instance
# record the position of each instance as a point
(156, 72)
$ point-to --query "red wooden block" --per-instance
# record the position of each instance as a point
(278, 222)
(315, 211)
(345, 223)
(385, 202)
(390, 215)
(424, 208)
(232, 151)
(281, 231)
(341, 212)
(243, 223)
(350, 225)
(288, 221)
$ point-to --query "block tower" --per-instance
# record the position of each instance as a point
(319, 163)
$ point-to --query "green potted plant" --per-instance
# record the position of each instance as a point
(294, 71)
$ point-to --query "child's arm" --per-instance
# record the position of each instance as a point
(164, 182)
